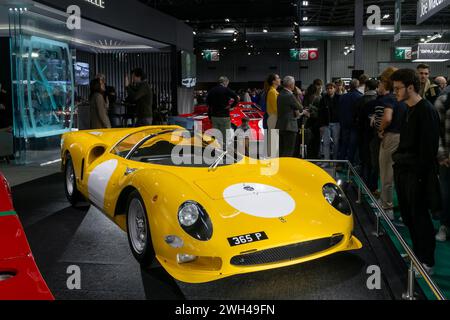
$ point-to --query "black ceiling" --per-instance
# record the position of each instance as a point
(249, 17)
(204, 14)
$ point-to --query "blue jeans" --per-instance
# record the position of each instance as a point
(333, 131)
(444, 177)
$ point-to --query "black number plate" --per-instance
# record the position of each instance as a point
(247, 238)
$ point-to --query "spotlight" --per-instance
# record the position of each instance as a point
(305, 3)
(194, 33)
(295, 23)
(305, 18)
(278, 53)
(249, 53)
(386, 16)
(227, 20)
(265, 30)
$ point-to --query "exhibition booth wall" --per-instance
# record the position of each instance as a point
(52, 65)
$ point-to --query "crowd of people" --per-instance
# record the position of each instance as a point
(395, 128)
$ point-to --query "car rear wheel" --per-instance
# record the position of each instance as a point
(138, 230)
(70, 182)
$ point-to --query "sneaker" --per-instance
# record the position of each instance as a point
(428, 269)
(442, 234)
(390, 214)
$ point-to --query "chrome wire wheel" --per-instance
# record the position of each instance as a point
(70, 178)
(137, 226)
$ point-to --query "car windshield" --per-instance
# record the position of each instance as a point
(173, 148)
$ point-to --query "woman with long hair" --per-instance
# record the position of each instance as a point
(98, 106)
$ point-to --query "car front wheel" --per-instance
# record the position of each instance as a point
(70, 182)
(138, 230)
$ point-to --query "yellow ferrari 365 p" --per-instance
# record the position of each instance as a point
(205, 214)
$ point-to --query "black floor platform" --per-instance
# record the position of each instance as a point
(61, 236)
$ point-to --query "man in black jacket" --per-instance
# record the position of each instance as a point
(330, 127)
(140, 94)
(365, 133)
(416, 165)
(218, 101)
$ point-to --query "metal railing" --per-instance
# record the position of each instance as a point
(414, 263)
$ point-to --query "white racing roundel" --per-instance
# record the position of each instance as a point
(259, 200)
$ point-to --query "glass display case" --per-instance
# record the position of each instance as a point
(44, 84)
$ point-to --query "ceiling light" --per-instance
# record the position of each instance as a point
(249, 53)
(295, 23)
(432, 38)
(430, 60)
(305, 3)
(227, 20)
(305, 18)
(194, 33)
(224, 48)
(278, 53)
(386, 16)
(234, 40)
(265, 30)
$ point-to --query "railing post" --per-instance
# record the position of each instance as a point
(409, 295)
(359, 201)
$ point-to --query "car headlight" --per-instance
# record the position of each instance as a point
(195, 221)
(188, 214)
(336, 197)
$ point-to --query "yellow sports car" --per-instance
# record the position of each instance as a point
(205, 214)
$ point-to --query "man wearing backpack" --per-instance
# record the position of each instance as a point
(443, 106)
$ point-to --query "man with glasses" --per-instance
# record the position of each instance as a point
(428, 90)
(416, 166)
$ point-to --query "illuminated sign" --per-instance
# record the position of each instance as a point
(403, 53)
(97, 3)
(428, 8)
(305, 54)
(431, 52)
(211, 55)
